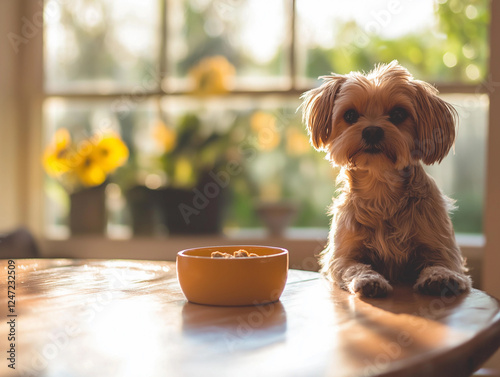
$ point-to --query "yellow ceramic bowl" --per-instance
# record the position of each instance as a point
(235, 281)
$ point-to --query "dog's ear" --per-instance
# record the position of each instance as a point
(436, 121)
(317, 109)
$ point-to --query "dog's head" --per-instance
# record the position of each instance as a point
(379, 120)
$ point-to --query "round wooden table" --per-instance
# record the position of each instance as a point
(129, 318)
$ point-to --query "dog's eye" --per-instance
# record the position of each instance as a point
(397, 115)
(351, 116)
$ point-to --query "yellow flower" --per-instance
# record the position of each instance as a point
(212, 75)
(271, 192)
(56, 157)
(89, 171)
(110, 153)
(183, 175)
(165, 136)
(261, 120)
(268, 139)
(297, 143)
(264, 124)
(90, 163)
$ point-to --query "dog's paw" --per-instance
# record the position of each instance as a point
(440, 281)
(371, 285)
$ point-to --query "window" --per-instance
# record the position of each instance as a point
(206, 92)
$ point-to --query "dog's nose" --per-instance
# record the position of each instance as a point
(372, 134)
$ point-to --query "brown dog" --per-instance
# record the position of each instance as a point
(391, 221)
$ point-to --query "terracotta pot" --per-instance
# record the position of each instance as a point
(276, 216)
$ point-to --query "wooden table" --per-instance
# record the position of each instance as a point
(129, 318)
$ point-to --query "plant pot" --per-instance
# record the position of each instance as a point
(197, 211)
(276, 216)
(87, 213)
(144, 211)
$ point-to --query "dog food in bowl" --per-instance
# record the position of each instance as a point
(237, 254)
(232, 275)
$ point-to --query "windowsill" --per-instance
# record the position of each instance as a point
(304, 245)
(466, 240)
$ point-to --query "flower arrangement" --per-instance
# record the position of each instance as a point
(84, 164)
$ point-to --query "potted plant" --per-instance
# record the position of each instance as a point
(83, 168)
(282, 147)
(193, 148)
(194, 197)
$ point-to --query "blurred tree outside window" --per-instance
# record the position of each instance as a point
(203, 94)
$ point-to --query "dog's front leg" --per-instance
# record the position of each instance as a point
(441, 281)
(360, 278)
(342, 262)
(443, 273)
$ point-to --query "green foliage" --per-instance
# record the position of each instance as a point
(203, 151)
(462, 33)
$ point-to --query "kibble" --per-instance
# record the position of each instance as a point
(237, 254)
(218, 254)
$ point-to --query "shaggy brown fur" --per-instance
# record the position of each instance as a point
(391, 221)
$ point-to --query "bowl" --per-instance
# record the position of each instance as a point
(232, 281)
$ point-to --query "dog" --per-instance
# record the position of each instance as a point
(390, 222)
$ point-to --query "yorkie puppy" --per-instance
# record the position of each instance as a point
(391, 221)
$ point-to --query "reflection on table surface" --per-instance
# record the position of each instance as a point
(129, 318)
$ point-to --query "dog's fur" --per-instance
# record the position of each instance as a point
(390, 222)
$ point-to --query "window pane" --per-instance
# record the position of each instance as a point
(250, 35)
(101, 46)
(461, 175)
(440, 41)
